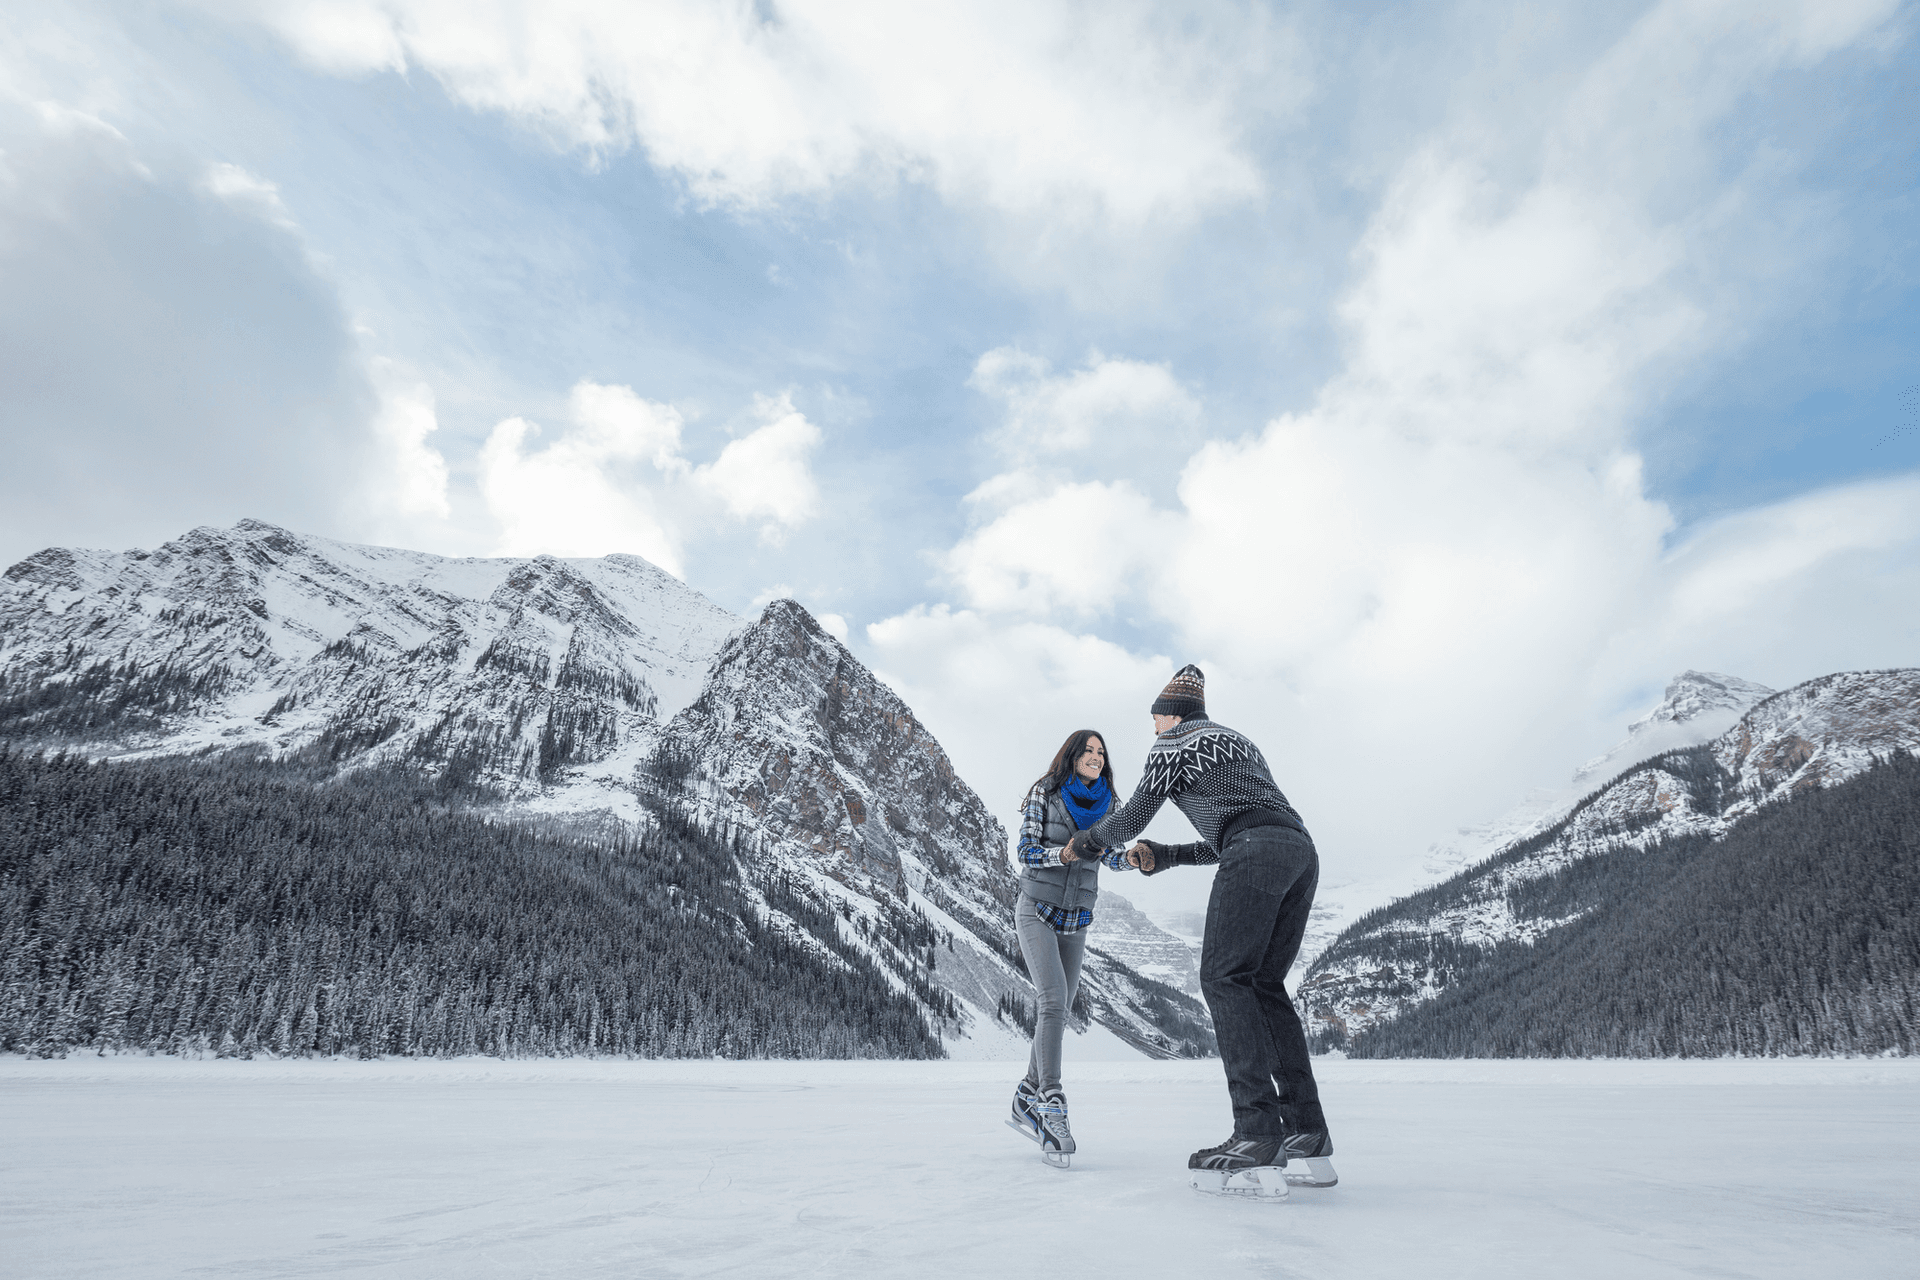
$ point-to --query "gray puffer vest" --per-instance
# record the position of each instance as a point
(1071, 887)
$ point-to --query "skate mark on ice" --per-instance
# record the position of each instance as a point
(587, 1188)
(418, 1214)
(713, 1164)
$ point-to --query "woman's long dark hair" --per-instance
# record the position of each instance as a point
(1069, 755)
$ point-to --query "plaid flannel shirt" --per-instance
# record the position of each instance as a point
(1034, 853)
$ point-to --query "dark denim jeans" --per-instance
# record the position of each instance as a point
(1255, 921)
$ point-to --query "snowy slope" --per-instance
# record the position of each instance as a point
(1814, 734)
(505, 670)
(794, 742)
(1124, 932)
(1697, 707)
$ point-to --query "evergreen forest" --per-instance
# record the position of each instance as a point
(236, 906)
(1797, 932)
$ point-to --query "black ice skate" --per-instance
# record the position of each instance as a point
(1056, 1139)
(1250, 1168)
(1312, 1150)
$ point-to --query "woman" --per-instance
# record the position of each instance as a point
(1057, 893)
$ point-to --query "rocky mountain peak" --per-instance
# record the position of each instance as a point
(794, 742)
(509, 668)
(810, 748)
(1693, 694)
(1697, 706)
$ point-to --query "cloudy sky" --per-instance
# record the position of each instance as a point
(1442, 377)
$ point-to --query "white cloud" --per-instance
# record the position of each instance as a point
(166, 359)
(62, 120)
(1822, 581)
(1125, 112)
(616, 481)
(582, 495)
(1001, 695)
(1041, 540)
(1112, 406)
(1437, 583)
(1075, 549)
(765, 475)
(410, 478)
(768, 595)
(250, 191)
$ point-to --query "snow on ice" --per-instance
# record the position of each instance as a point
(125, 1167)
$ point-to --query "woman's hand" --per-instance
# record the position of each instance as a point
(1140, 858)
(1067, 854)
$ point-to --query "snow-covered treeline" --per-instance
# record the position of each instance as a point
(236, 906)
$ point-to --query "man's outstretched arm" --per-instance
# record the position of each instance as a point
(1151, 857)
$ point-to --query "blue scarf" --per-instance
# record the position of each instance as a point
(1087, 803)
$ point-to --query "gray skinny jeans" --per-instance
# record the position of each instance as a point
(1053, 962)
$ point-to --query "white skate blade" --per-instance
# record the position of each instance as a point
(1267, 1182)
(1318, 1173)
(1024, 1131)
(1058, 1159)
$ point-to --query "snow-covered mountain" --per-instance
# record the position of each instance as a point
(575, 688)
(502, 672)
(793, 740)
(1814, 734)
(1697, 707)
(1124, 932)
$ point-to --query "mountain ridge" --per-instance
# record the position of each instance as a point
(577, 691)
(1817, 733)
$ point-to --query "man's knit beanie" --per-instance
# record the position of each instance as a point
(1185, 694)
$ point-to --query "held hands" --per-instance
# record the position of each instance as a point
(1068, 852)
(1140, 857)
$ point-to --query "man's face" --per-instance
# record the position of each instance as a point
(1163, 723)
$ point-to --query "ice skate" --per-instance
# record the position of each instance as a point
(1248, 1168)
(1056, 1139)
(1025, 1119)
(1308, 1165)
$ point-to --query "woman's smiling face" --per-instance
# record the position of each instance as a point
(1093, 759)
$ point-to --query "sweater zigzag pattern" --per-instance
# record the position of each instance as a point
(1212, 774)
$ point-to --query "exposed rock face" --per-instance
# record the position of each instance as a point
(795, 741)
(1814, 734)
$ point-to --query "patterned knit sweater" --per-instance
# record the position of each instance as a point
(1214, 775)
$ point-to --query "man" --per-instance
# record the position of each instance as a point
(1256, 918)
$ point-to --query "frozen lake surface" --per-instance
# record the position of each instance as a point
(152, 1167)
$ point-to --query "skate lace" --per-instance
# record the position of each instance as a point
(1053, 1109)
